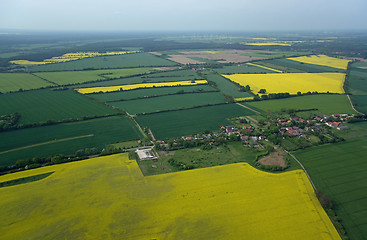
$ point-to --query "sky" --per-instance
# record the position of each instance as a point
(173, 15)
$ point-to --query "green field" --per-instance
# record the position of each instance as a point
(170, 76)
(226, 86)
(340, 171)
(117, 61)
(42, 105)
(233, 152)
(147, 92)
(169, 102)
(12, 82)
(328, 104)
(241, 69)
(357, 87)
(69, 137)
(186, 122)
(75, 77)
(275, 54)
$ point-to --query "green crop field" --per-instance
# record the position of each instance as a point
(328, 104)
(226, 86)
(357, 86)
(241, 69)
(64, 138)
(147, 92)
(340, 171)
(117, 61)
(169, 102)
(154, 77)
(42, 105)
(295, 66)
(12, 82)
(186, 122)
(276, 54)
(75, 77)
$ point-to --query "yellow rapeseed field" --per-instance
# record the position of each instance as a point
(69, 57)
(109, 198)
(268, 44)
(323, 60)
(243, 99)
(260, 66)
(291, 82)
(139, 85)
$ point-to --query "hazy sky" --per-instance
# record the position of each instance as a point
(243, 15)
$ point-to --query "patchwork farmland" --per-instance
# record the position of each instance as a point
(249, 101)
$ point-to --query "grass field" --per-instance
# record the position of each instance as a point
(118, 61)
(187, 122)
(125, 95)
(226, 86)
(323, 60)
(241, 69)
(288, 65)
(170, 76)
(109, 198)
(233, 152)
(129, 87)
(340, 171)
(42, 105)
(75, 77)
(12, 82)
(169, 102)
(64, 138)
(291, 82)
(357, 86)
(328, 104)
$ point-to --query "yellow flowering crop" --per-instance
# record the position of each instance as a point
(260, 66)
(109, 198)
(243, 99)
(69, 57)
(139, 85)
(268, 44)
(323, 60)
(291, 82)
(212, 52)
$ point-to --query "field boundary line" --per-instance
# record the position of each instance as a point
(353, 106)
(46, 143)
(44, 79)
(308, 176)
(239, 104)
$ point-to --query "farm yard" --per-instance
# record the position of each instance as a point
(199, 204)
